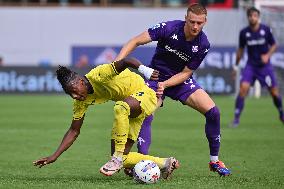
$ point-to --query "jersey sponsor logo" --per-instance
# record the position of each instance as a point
(158, 25)
(175, 37)
(253, 42)
(194, 48)
(181, 55)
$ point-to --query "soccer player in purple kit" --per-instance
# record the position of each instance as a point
(182, 45)
(260, 45)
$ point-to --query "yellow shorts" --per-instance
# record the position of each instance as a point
(148, 101)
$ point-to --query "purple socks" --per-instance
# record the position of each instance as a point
(278, 103)
(144, 138)
(212, 130)
(240, 101)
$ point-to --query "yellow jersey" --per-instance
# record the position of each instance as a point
(108, 84)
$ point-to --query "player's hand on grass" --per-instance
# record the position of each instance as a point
(155, 75)
(160, 90)
(44, 161)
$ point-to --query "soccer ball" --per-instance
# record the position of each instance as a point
(146, 172)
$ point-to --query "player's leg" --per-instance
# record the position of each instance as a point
(248, 77)
(133, 109)
(144, 138)
(123, 110)
(277, 100)
(240, 102)
(167, 165)
(267, 78)
(191, 94)
(200, 101)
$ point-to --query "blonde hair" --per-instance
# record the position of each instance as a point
(197, 9)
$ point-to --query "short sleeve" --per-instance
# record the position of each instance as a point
(158, 31)
(242, 40)
(79, 109)
(270, 38)
(102, 73)
(198, 58)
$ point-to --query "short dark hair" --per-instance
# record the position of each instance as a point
(65, 77)
(251, 10)
(197, 9)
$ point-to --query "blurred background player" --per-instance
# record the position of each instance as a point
(182, 45)
(134, 101)
(260, 45)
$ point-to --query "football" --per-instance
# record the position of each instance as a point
(146, 172)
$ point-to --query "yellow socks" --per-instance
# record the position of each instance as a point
(120, 128)
(130, 160)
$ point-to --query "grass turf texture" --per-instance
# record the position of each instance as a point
(33, 126)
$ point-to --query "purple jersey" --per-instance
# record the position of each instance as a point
(257, 43)
(173, 52)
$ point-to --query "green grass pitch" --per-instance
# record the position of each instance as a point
(32, 127)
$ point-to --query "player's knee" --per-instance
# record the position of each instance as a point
(213, 114)
(274, 92)
(243, 91)
(121, 108)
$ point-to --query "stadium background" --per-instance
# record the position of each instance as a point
(37, 36)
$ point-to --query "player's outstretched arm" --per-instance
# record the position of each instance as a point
(124, 63)
(67, 141)
(140, 39)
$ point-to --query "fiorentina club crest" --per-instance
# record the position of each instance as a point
(194, 48)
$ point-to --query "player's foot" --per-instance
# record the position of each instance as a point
(171, 164)
(235, 123)
(111, 167)
(220, 168)
(128, 172)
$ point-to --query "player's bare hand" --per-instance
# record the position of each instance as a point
(155, 75)
(160, 90)
(44, 161)
(265, 58)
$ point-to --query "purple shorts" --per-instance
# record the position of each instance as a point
(180, 92)
(265, 75)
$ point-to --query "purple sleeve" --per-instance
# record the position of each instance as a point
(270, 38)
(158, 31)
(198, 58)
(242, 40)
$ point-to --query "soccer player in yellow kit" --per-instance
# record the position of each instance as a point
(134, 101)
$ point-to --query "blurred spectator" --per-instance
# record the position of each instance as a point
(83, 61)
